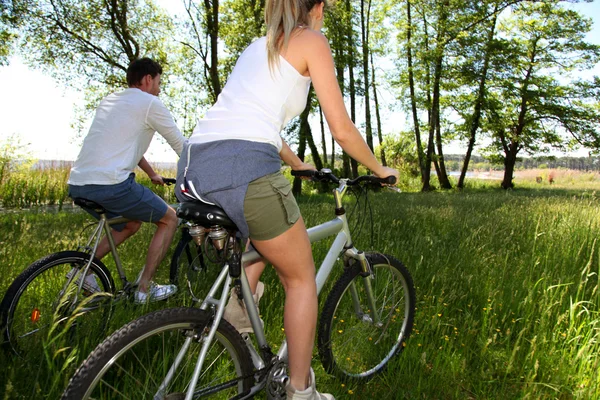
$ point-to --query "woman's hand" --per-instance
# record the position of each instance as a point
(384, 172)
(302, 166)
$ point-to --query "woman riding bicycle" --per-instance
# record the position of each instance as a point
(234, 157)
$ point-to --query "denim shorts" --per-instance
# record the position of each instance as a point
(270, 208)
(128, 199)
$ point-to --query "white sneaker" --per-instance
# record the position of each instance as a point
(155, 293)
(90, 283)
(310, 393)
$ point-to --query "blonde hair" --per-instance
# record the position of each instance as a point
(281, 18)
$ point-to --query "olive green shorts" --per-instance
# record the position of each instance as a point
(270, 207)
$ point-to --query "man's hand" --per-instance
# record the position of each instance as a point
(157, 180)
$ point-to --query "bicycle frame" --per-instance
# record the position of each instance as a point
(104, 224)
(341, 244)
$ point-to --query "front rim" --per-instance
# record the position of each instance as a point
(137, 370)
(361, 346)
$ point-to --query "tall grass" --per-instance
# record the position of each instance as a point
(27, 186)
(507, 293)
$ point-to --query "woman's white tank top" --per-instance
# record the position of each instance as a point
(256, 103)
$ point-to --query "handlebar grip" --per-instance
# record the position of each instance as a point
(390, 180)
(169, 181)
(307, 173)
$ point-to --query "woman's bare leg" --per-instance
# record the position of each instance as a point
(254, 270)
(291, 255)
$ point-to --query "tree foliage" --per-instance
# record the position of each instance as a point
(498, 71)
(89, 44)
(532, 104)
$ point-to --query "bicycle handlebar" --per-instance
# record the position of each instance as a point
(168, 181)
(326, 175)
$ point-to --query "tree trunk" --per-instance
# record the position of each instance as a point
(441, 170)
(323, 143)
(377, 115)
(314, 151)
(430, 142)
(478, 102)
(434, 124)
(303, 134)
(212, 25)
(340, 76)
(413, 99)
(510, 160)
(351, 83)
(364, 22)
(512, 149)
(333, 153)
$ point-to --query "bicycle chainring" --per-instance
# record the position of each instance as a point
(277, 381)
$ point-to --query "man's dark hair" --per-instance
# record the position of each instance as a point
(141, 67)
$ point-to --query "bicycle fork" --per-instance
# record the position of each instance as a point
(367, 275)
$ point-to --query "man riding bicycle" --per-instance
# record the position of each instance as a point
(120, 134)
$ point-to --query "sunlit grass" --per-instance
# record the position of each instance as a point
(507, 291)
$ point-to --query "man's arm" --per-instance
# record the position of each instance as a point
(161, 120)
(147, 168)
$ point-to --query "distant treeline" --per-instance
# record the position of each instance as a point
(454, 163)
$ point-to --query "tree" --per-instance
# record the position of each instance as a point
(473, 121)
(531, 102)
(7, 31)
(203, 32)
(413, 99)
(243, 22)
(351, 43)
(88, 45)
(365, 16)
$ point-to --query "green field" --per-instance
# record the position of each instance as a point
(507, 292)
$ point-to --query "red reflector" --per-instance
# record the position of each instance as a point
(35, 315)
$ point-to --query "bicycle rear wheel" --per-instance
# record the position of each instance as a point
(192, 269)
(353, 341)
(42, 299)
(134, 362)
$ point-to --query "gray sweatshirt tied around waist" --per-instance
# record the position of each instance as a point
(221, 171)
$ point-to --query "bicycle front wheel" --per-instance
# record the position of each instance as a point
(139, 360)
(359, 333)
(44, 296)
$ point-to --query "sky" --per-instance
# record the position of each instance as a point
(39, 112)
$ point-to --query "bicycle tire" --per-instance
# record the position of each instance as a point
(350, 345)
(30, 306)
(141, 343)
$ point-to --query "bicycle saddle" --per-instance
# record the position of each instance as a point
(204, 214)
(92, 205)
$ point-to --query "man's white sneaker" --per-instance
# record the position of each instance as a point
(155, 293)
(90, 283)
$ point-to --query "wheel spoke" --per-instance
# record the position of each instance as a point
(352, 346)
(129, 358)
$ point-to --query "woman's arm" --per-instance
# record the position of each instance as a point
(322, 72)
(291, 159)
